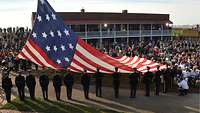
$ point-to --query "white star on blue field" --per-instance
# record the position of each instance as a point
(182, 12)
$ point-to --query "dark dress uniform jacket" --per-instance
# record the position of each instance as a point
(44, 81)
(20, 81)
(7, 84)
(134, 78)
(30, 81)
(68, 80)
(157, 77)
(98, 77)
(116, 78)
(85, 79)
(57, 81)
(148, 77)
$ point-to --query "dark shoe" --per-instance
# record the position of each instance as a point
(69, 98)
(8, 101)
(32, 98)
(130, 96)
(87, 98)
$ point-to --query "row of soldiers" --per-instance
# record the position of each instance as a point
(68, 80)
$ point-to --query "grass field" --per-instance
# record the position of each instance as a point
(42, 106)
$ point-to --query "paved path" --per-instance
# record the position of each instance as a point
(165, 103)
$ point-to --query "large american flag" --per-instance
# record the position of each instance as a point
(52, 44)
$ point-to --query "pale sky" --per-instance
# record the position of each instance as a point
(182, 12)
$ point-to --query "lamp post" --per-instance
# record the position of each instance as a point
(105, 25)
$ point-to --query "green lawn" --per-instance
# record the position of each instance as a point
(40, 105)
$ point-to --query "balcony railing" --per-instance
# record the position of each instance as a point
(135, 33)
(132, 33)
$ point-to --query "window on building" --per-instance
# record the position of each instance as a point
(146, 26)
(156, 27)
(118, 27)
(93, 27)
(134, 27)
(108, 27)
(121, 27)
(78, 28)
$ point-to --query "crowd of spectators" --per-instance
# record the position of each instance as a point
(180, 55)
(11, 42)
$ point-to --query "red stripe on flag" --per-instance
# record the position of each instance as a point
(32, 55)
(83, 66)
(71, 67)
(43, 54)
(141, 63)
(91, 62)
(23, 55)
(102, 56)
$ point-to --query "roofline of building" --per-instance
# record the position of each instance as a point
(112, 17)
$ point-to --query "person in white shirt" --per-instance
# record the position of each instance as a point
(183, 87)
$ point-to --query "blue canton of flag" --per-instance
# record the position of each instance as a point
(53, 36)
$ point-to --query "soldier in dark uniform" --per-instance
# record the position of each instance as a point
(20, 83)
(134, 80)
(7, 86)
(16, 65)
(30, 82)
(57, 83)
(98, 81)
(44, 82)
(116, 82)
(24, 65)
(166, 76)
(85, 80)
(69, 81)
(147, 81)
(157, 81)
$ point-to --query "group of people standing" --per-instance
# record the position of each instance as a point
(147, 78)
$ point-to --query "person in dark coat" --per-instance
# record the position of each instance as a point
(30, 82)
(166, 76)
(44, 83)
(57, 83)
(69, 81)
(85, 80)
(157, 80)
(116, 82)
(24, 65)
(7, 86)
(16, 65)
(134, 80)
(98, 82)
(147, 81)
(20, 83)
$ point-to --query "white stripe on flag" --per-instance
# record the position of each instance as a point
(97, 60)
(86, 64)
(121, 59)
(125, 61)
(78, 67)
(136, 64)
(20, 56)
(147, 62)
(134, 60)
(29, 56)
(38, 55)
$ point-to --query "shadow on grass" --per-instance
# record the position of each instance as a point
(40, 105)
